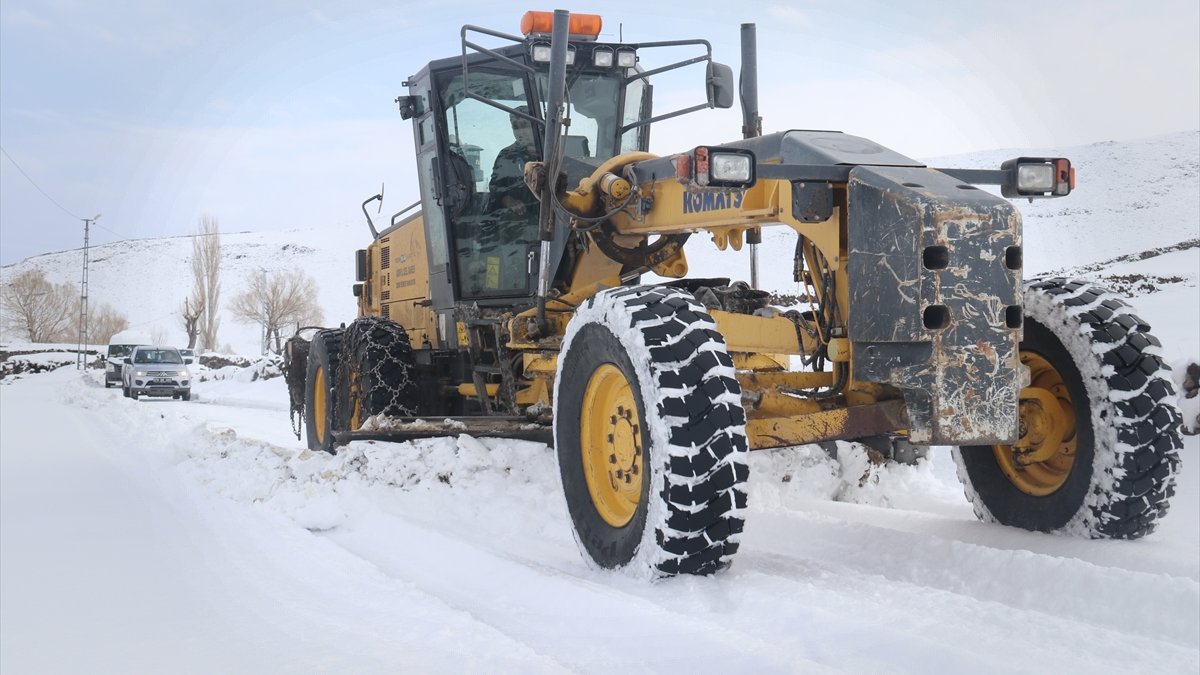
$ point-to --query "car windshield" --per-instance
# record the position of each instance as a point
(119, 351)
(157, 356)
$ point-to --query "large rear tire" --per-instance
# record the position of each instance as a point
(650, 434)
(377, 371)
(1100, 430)
(320, 413)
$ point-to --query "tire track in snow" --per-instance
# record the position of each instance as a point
(1165, 605)
(908, 621)
(555, 612)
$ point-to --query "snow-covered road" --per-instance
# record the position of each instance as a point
(162, 536)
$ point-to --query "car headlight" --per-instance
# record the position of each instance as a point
(184, 373)
(140, 373)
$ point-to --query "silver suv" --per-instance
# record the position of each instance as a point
(156, 371)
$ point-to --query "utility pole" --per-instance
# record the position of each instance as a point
(81, 358)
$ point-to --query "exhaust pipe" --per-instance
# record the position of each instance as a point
(751, 123)
(551, 154)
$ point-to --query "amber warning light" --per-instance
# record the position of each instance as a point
(581, 25)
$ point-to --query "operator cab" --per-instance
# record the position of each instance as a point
(480, 117)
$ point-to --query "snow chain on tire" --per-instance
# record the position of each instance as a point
(692, 438)
(1124, 469)
(295, 368)
(376, 372)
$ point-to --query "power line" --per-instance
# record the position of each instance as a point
(39, 189)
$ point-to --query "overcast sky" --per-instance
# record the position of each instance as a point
(279, 114)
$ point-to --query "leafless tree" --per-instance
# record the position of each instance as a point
(189, 314)
(103, 323)
(206, 280)
(277, 300)
(159, 336)
(37, 309)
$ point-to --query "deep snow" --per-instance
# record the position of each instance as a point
(163, 536)
(201, 537)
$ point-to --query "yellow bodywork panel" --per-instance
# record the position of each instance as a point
(798, 429)
(727, 214)
(525, 396)
(757, 334)
(398, 286)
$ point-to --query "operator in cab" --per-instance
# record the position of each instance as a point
(509, 198)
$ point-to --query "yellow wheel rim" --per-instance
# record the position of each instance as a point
(1042, 458)
(320, 406)
(611, 442)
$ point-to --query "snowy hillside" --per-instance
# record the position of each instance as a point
(161, 536)
(147, 280)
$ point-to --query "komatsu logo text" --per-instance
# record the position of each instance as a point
(697, 202)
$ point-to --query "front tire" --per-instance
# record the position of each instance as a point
(320, 413)
(650, 434)
(1100, 430)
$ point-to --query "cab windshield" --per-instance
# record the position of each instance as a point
(493, 214)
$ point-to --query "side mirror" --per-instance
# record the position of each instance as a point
(719, 83)
(189, 361)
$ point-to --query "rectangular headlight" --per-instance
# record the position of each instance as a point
(1035, 177)
(602, 58)
(541, 52)
(722, 167)
(626, 58)
(570, 55)
(727, 167)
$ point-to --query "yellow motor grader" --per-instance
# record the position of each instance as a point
(510, 301)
